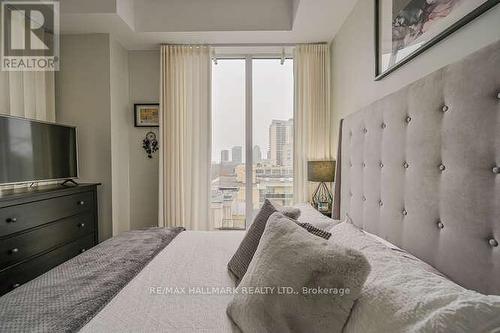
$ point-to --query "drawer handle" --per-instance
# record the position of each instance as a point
(81, 203)
(11, 220)
(14, 251)
(81, 225)
(82, 250)
(15, 285)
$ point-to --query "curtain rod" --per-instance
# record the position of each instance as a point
(258, 44)
(251, 44)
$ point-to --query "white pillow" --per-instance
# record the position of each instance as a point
(288, 256)
(404, 294)
(309, 214)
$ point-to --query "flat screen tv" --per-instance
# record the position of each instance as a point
(32, 151)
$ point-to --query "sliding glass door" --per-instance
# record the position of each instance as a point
(252, 138)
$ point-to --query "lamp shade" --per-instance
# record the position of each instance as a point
(321, 171)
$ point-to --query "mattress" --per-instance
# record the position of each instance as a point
(183, 289)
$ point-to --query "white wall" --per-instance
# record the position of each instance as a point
(121, 122)
(353, 85)
(83, 99)
(144, 70)
(97, 85)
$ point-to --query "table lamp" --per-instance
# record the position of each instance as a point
(321, 172)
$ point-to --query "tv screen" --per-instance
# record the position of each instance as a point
(32, 151)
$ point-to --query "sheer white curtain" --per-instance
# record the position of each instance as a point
(28, 94)
(185, 137)
(312, 114)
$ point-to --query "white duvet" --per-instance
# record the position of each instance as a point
(403, 294)
(194, 262)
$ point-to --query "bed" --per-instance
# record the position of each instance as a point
(419, 178)
(195, 308)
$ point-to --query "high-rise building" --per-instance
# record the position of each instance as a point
(224, 156)
(236, 154)
(288, 154)
(257, 154)
(281, 142)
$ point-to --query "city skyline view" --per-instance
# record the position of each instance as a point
(236, 154)
(272, 100)
(271, 170)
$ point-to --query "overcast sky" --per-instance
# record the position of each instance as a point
(272, 99)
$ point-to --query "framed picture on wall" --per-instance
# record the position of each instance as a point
(406, 28)
(146, 115)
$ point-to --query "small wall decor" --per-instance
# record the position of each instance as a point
(146, 115)
(406, 28)
(150, 144)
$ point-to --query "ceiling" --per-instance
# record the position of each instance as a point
(144, 24)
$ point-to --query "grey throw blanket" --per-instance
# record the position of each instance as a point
(67, 297)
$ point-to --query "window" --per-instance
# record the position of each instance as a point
(272, 131)
(252, 138)
(228, 171)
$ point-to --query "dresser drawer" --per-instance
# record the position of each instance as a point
(29, 215)
(22, 246)
(19, 274)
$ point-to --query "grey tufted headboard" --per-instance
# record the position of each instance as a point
(421, 168)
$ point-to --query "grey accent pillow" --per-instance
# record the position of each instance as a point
(289, 256)
(241, 259)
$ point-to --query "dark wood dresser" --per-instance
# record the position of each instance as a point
(43, 227)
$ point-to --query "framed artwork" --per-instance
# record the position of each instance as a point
(406, 28)
(146, 115)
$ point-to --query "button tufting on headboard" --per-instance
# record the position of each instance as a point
(437, 146)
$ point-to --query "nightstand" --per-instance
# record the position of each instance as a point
(328, 213)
